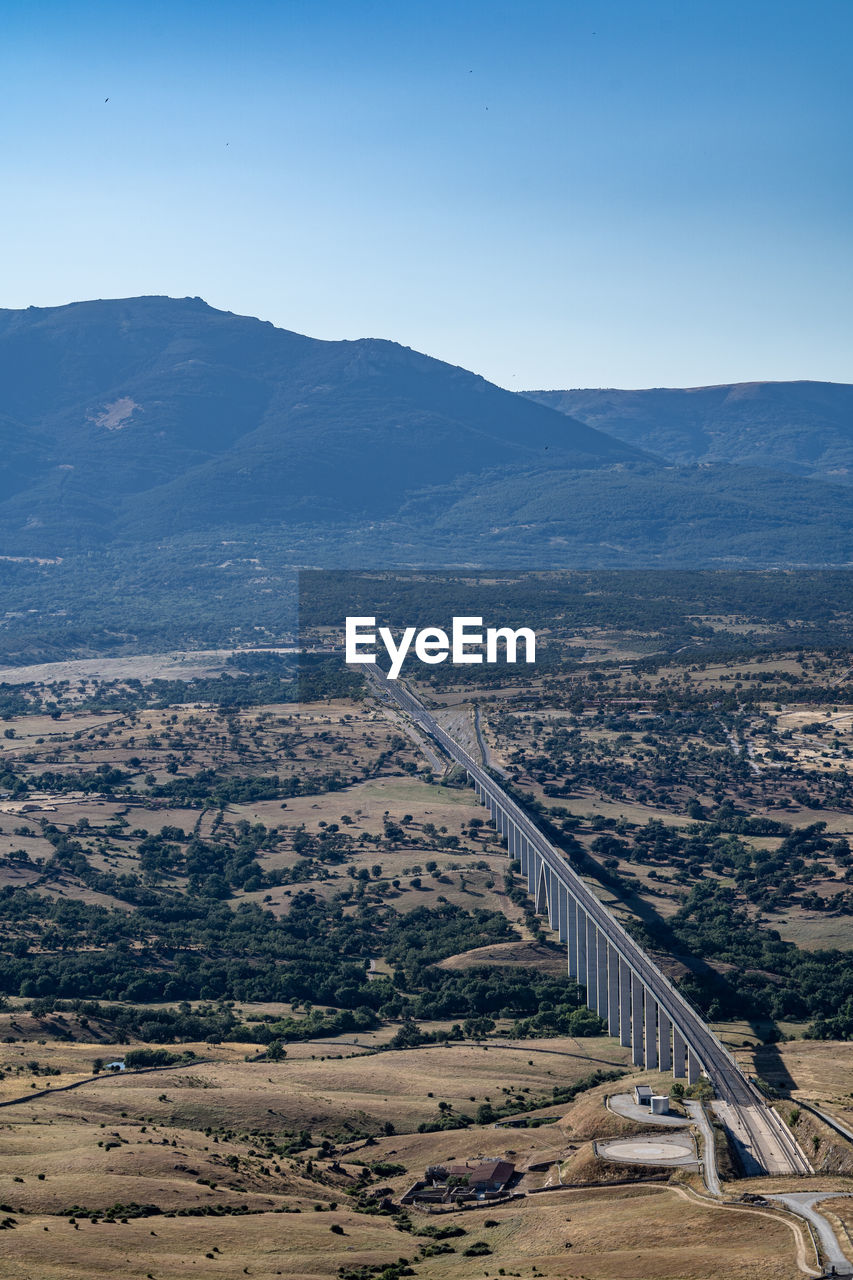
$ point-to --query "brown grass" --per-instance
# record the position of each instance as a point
(297, 1246)
(643, 1233)
(639, 1233)
(544, 957)
(585, 1168)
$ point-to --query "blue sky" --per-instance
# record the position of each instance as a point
(584, 193)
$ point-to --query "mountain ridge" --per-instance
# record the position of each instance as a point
(166, 467)
(803, 426)
(129, 397)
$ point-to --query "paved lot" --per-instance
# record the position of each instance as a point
(658, 1148)
(624, 1105)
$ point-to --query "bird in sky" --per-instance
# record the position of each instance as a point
(106, 99)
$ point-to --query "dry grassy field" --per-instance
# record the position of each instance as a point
(588, 1235)
(238, 1161)
(195, 1141)
(818, 1071)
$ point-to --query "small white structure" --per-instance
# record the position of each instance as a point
(642, 1095)
(115, 1066)
(659, 1104)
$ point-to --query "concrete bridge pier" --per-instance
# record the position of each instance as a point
(612, 990)
(533, 864)
(591, 964)
(572, 936)
(679, 1054)
(637, 1055)
(650, 1031)
(602, 975)
(553, 901)
(581, 947)
(624, 1004)
(664, 1033)
(523, 853)
(562, 911)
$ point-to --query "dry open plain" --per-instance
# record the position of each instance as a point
(200, 1140)
(274, 892)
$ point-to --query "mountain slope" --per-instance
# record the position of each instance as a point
(673, 517)
(149, 416)
(164, 468)
(801, 427)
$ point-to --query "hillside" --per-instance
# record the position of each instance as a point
(166, 467)
(146, 417)
(800, 427)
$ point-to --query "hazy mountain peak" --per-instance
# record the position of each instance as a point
(803, 427)
(177, 417)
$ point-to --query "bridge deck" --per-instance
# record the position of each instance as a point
(772, 1143)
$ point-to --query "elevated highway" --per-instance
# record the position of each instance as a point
(641, 1007)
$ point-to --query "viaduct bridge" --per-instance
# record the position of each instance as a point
(624, 986)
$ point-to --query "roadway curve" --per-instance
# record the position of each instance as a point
(771, 1140)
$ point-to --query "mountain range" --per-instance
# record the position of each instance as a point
(151, 417)
(159, 456)
(805, 428)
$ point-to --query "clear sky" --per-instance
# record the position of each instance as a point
(582, 193)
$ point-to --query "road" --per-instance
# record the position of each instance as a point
(803, 1203)
(709, 1152)
(777, 1149)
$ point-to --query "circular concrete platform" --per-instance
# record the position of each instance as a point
(660, 1149)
